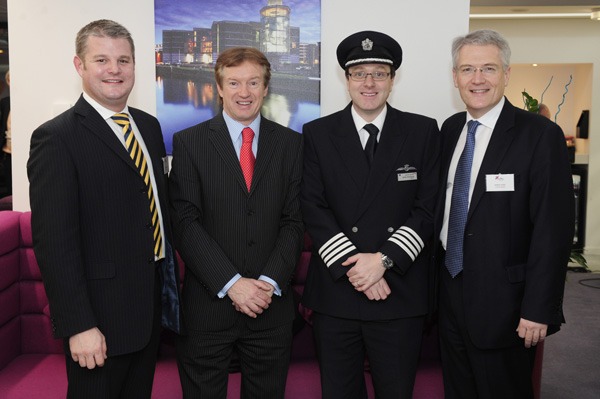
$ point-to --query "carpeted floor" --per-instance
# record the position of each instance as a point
(572, 356)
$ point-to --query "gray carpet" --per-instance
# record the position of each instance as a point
(572, 356)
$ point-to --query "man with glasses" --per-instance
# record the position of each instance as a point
(505, 223)
(368, 193)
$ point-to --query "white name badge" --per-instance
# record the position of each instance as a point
(500, 182)
(407, 176)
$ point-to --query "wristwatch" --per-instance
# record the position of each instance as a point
(387, 263)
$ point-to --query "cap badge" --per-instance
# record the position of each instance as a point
(367, 45)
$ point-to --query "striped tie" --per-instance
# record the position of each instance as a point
(137, 155)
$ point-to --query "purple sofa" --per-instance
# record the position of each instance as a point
(32, 364)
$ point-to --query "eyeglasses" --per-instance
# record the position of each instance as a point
(361, 76)
(468, 70)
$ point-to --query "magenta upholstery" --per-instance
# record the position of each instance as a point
(32, 364)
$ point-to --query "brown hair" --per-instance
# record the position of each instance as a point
(236, 56)
(101, 28)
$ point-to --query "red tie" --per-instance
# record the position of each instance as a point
(247, 156)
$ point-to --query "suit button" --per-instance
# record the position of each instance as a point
(143, 189)
(149, 226)
(390, 229)
(250, 212)
(150, 260)
(355, 229)
(250, 243)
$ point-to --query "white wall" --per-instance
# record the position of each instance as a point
(566, 41)
(44, 81)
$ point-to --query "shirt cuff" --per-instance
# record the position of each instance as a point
(273, 283)
(231, 282)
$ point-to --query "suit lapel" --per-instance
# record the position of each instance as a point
(388, 150)
(501, 139)
(221, 139)
(98, 127)
(267, 143)
(347, 142)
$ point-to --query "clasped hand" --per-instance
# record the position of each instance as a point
(367, 275)
(250, 296)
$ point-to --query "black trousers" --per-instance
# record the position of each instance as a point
(471, 372)
(204, 357)
(128, 376)
(391, 346)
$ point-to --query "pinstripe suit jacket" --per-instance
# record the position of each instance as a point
(350, 208)
(90, 221)
(221, 229)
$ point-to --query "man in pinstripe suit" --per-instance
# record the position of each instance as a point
(92, 224)
(240, 237)
(371, 220)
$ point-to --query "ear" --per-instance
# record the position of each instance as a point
(455, 78)
(506, 76)
(79, 66)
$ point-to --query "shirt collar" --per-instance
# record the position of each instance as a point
(235, 128)
(104, 112)
(491, 117)
(360, 122)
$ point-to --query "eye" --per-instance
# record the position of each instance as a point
(467, 70)
(233, 84)
(490, 70)
(360, 74)
(379, 74)
(253, 84)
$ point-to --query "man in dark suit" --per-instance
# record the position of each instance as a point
(100, 228)
(370, 216)
(505, 224)
(235, 189)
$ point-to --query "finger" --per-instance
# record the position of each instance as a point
(99, 359)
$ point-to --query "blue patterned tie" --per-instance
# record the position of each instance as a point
(459, 206)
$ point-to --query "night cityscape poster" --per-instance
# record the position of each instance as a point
(190, 34)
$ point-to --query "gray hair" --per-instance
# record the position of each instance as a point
(101, 28)
(482, 37)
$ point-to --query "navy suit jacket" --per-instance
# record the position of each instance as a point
(517, 243)
(349, 207)
(92, 234)
(222, 229)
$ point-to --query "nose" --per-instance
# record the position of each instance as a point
(478, 75)
(369, 80)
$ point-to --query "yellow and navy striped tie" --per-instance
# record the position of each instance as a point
(137, 155)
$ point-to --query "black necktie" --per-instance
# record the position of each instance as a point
(371, 142)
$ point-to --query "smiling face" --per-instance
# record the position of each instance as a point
(480, 91)
(243, 91)
(107, 71)
(369, 96)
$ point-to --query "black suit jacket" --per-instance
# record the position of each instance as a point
(388, 208)
(90, 221)
(222, 229)
(517, 243)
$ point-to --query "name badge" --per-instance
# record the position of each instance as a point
(408, 176)
(500, 182)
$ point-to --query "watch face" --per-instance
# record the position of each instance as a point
(387, 262)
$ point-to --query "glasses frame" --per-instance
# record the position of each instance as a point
(355, 78)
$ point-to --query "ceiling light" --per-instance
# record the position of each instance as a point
(595, 14)
(533, 15)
